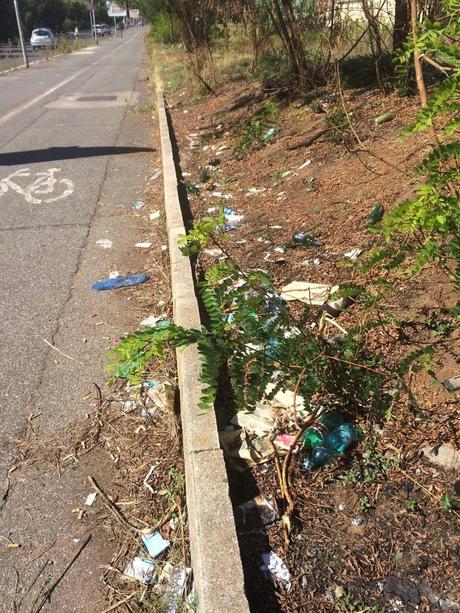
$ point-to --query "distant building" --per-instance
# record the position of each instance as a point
(352, 10)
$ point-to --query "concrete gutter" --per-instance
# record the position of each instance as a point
(216, 559)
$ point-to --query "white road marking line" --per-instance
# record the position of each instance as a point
(30, 103)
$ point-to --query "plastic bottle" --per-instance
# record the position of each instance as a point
(335, 443)
(318, 457)
(342, 437)
(306, 240)
(376, 214)
(316, 434)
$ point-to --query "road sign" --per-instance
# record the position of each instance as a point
(90, 6)
(115, 10)
(134, 13)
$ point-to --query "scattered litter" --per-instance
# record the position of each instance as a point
(147, 477)
(255, 190)
(280, 249)
(175, 580)
(286, 173)
(162, 395)
(253, 515)
(90, 499)
(164, 247)
(143, 245)
(129, 405)
(154, 216)
(239, 445)
(305, 240)
(214, 253)
(260, 421)
(276, 227)
(452, 384)
(231, 219)
(155, 544)
(173, 523)
(304, 165)
(156, 175)
(141, 569)
(268, 133)
(376, 214)
(309, 293)
(191, 189)
(353, 254)
(114, 274)
(357, 521)
(138, 205)
(386, 117)
(212, 209)
(276, 570)
(317, 261)
(221, 195)
(284, 441)
(104, 243)
(107, 284)
(446, 456)
(153, 321)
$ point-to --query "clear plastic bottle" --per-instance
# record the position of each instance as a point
(335, 443)
(318, 457)
(342, 437)
(305, 240)
(316, 434)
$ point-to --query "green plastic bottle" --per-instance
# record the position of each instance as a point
(316, 434)
(375, 215)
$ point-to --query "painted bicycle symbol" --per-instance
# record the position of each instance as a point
(45, 183)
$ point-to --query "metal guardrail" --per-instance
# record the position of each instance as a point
(11, 54)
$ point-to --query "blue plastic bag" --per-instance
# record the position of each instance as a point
(100, 286)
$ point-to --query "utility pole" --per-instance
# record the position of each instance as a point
(21, 35)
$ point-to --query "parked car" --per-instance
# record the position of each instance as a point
(42, 37)
(102, 29)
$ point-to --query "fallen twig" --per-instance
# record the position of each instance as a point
(66, 355)
(54, 585)
(118, 604)
(112, 507)
(308, 141)
(427, 491)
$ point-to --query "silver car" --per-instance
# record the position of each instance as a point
(42, 37)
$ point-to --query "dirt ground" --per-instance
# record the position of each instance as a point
(370, 532)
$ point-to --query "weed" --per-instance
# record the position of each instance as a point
(349, 605)
(371, 466)
(411, 505)
(336, 119)
(446, 503)
(264, 119)
(366, 504)
(440, 327)
(176, 487)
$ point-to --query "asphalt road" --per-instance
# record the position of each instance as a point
(74, 152)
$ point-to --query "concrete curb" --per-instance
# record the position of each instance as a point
(216, 559)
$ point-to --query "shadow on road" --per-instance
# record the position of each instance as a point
(51, 154)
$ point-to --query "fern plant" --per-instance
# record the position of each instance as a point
(252, 333)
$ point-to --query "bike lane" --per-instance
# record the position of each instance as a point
(69, 176)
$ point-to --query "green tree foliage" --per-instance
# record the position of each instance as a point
(59, 15)
(432, 218)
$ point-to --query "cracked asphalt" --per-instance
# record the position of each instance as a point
(74, 154)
